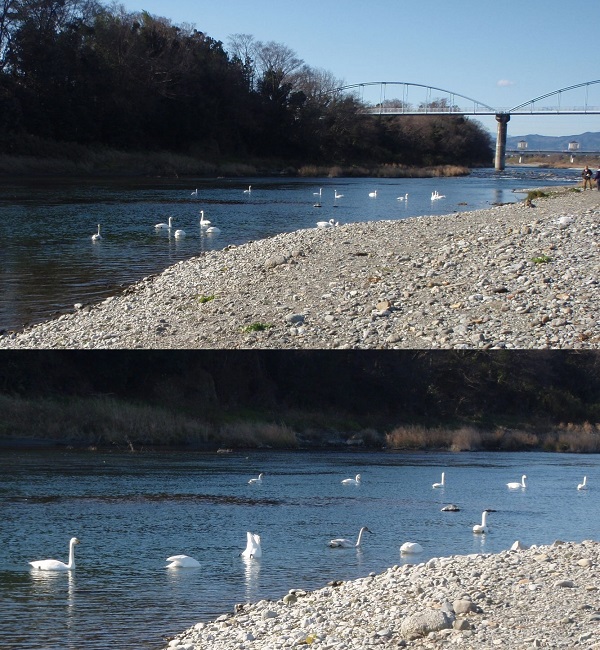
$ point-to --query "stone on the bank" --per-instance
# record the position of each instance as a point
(519, 546)
(431, 620)
(462, 606)
(276, 260)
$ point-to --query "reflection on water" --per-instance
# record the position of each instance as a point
(251, 575)
(50, 262)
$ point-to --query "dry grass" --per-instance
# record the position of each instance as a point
(257, 434)
(571, 438)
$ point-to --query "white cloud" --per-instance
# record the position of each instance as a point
(502, 83)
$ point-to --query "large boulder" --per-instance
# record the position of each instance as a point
(431, 620)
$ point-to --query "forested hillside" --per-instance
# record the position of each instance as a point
(295, 391)
(76, 74)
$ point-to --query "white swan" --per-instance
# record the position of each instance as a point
(179, 234)
(252, 546)
(402, 198)
(182, 562)
(336, 195)
(373, 195)
(257, 480)
(195, 192)
(479, 529)
(204, 223)
(442, 484)
(318, 193)
(352, 481)
(327, 224)
(516, 486)
(342, 542)
(249, 190)
(436, 195)
(410, 547)
(583, 486)
(213, 229)
(161, 226)
(57, 565)
(97, 235)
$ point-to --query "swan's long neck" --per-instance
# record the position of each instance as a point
(71, 564)
(483, 519)
(584, 480)
(523, 481)
(443, 478)
(360, 534)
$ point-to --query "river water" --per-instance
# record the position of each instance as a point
(48, 261)
(131, 511)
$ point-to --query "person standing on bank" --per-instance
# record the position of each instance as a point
(597, 178)
(587, 177)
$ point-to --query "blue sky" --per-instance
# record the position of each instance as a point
(500, 53)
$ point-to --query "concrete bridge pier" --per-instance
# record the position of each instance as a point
(502, 119)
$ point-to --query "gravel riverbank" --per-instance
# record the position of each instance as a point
(506, 277)
(542, 597)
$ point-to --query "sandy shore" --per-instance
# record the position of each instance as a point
(542, 597)
(506, 277)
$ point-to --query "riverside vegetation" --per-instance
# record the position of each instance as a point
(295, 399)
(89, 89)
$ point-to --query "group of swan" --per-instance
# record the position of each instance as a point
(168, 226)
(253, 550)
(435, 195)
(180, 234)
(205, 224)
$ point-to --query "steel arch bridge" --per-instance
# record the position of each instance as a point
(453, 103)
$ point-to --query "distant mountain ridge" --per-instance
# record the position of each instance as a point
(587, 142)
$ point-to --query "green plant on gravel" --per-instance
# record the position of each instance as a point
(256, 327)
(541, 259)
(202, 299)
(535, 194)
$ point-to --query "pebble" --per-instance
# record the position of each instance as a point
(506, 277)
(477, 600)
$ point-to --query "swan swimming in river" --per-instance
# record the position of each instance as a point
(57, 565)
(515, 485)
(342, 542)
(204, 223)
(442, 484)
(97, 235)
(182, 562)
(252, 549)
(583, 486)
(179, 234)
(410, 547)
(352, 481)
(481, 528)
(161, 226)
(256, 480)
